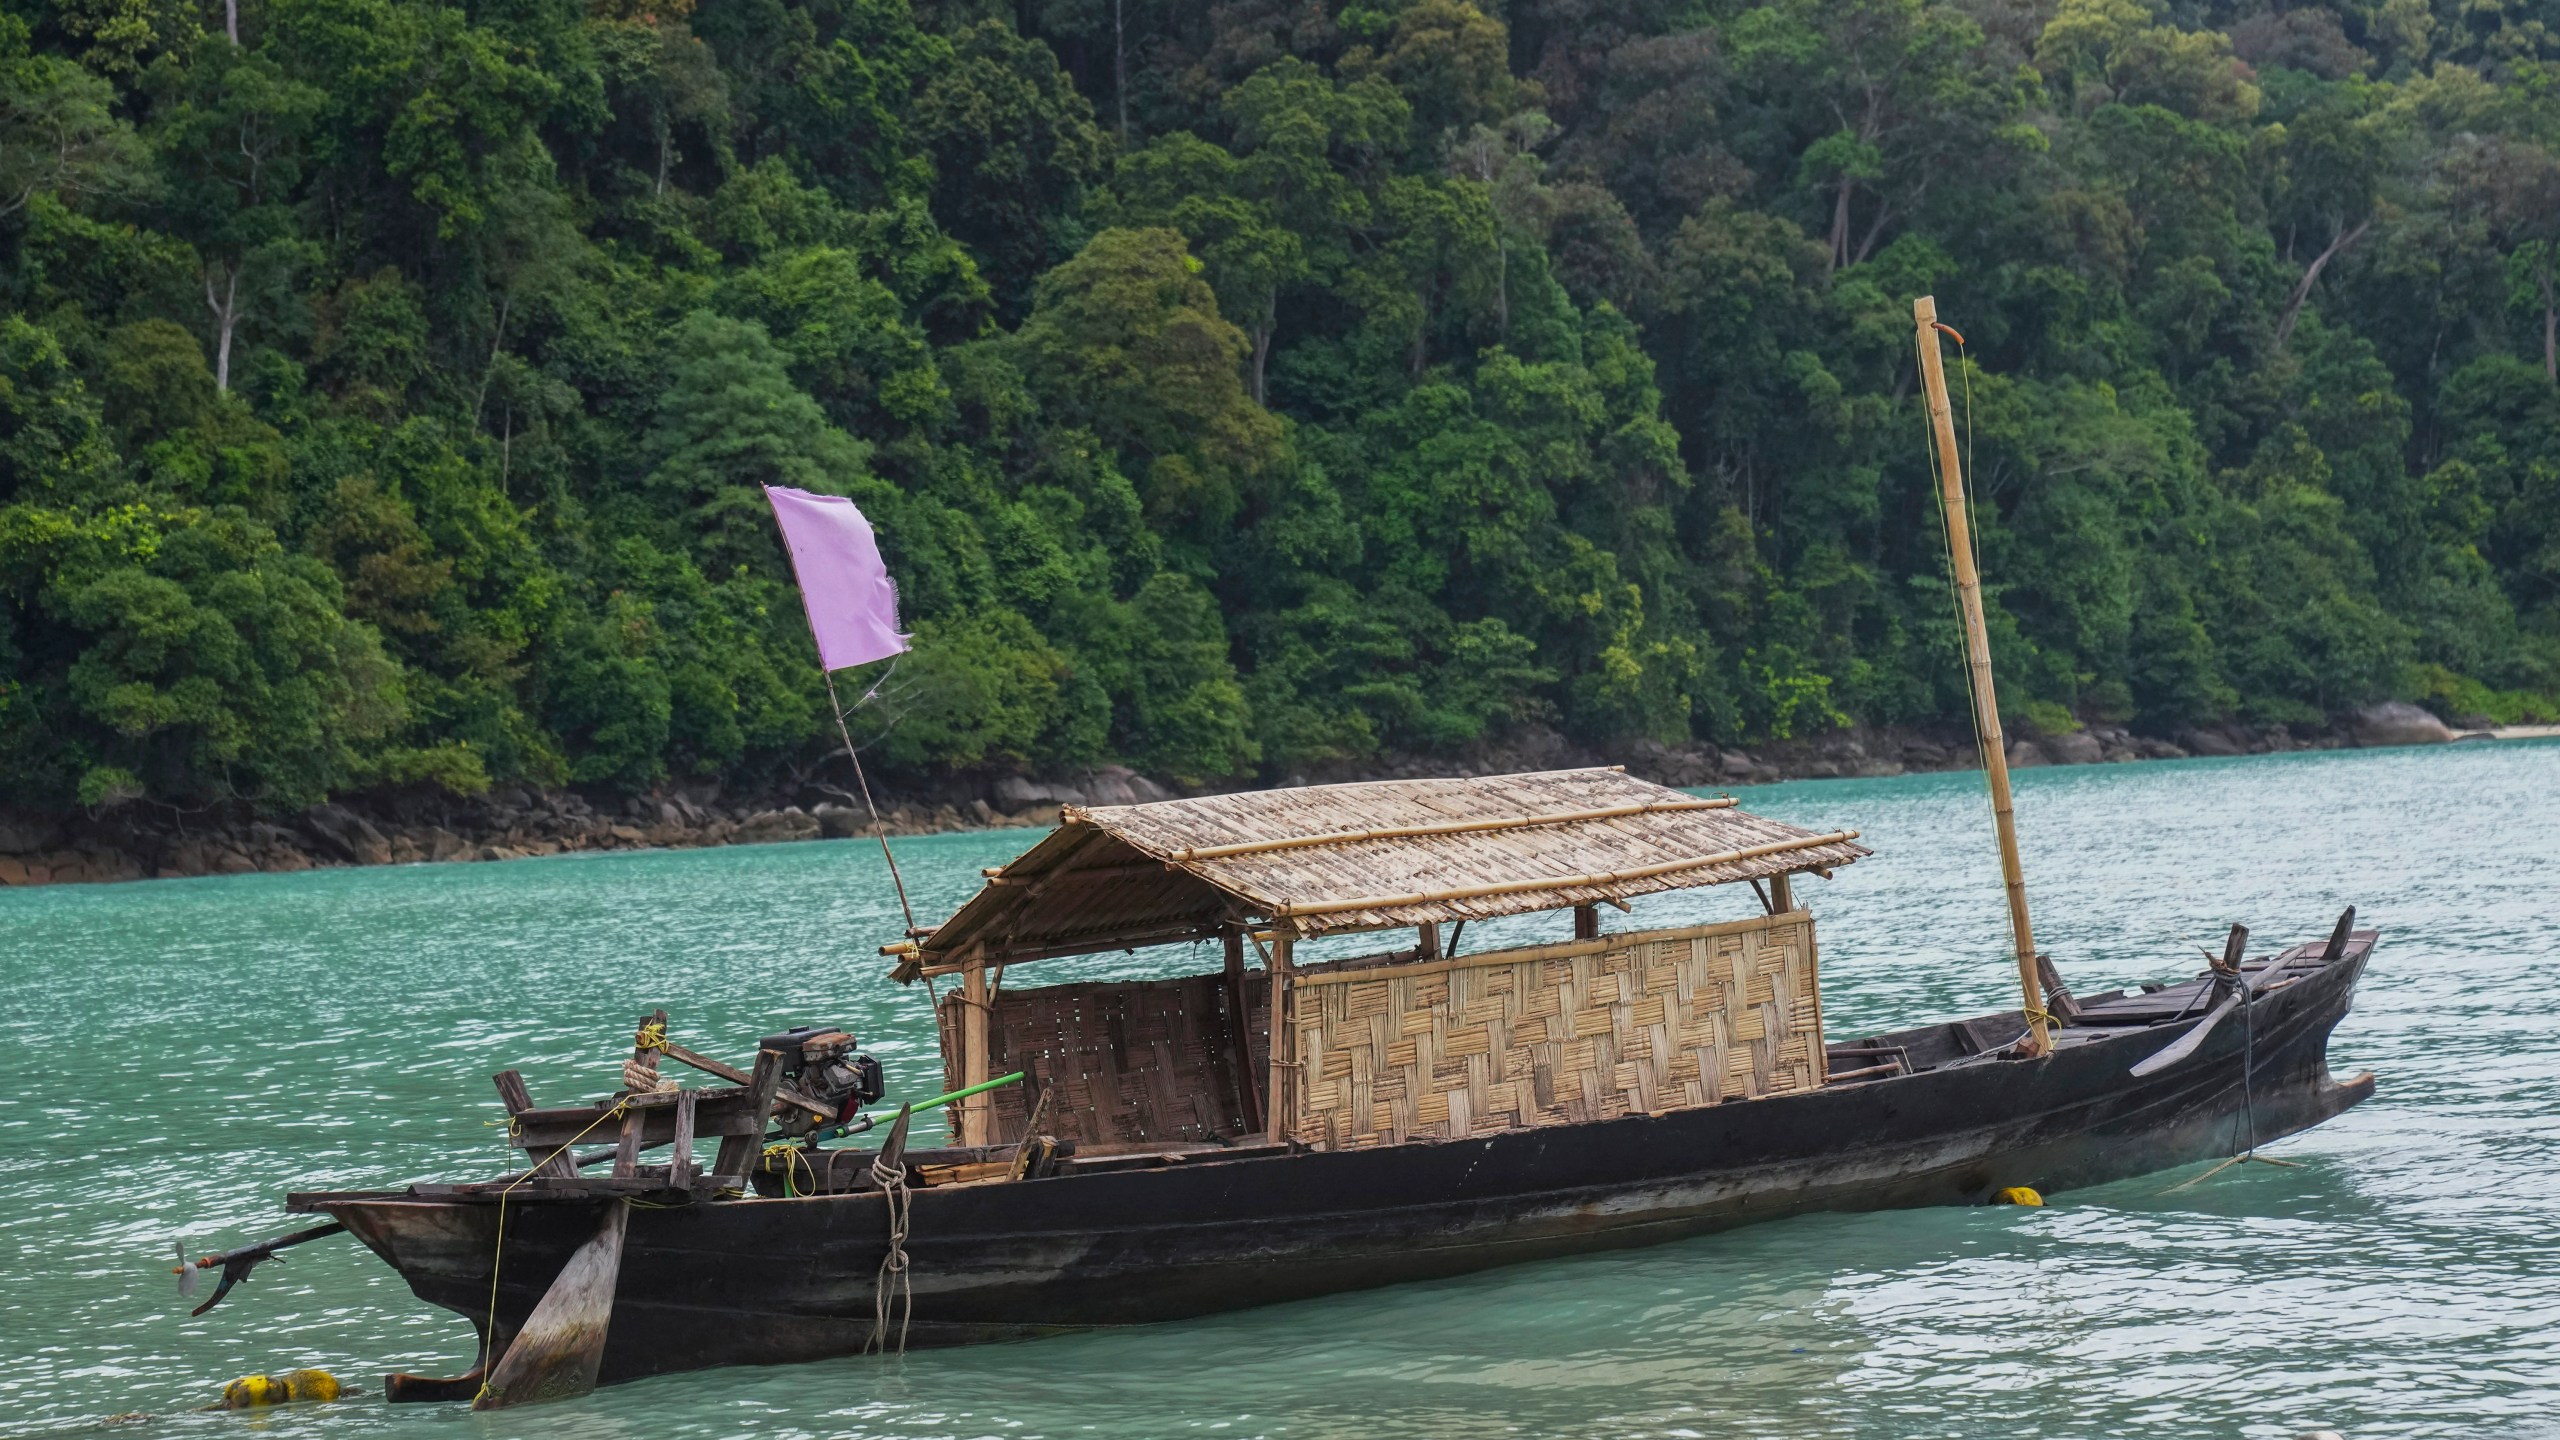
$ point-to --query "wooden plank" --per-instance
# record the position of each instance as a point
(680, 1159)
(519, 1101)
(967, 1174)
(1280, 1096)
(560, 1350)
(639, 1076)
(512, 1092)
(739, 1152)
(2057, 996)
(976, 1112)
(1239, 1039)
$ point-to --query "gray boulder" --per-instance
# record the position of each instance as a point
(2077, 748)
(2397, 722)
(2211, 742)
(344, 835)
(772, 826)
(841, 822)
(1120, 785)
(1021, 792)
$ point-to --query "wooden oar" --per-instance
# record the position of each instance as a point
(2226, 970)
(2186, 1045)
(2243, 989)
(560, 1350)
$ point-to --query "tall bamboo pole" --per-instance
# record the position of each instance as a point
(1977, 650)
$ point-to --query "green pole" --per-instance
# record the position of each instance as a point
(978, 1089)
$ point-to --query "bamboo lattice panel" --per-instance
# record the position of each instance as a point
(1153, 1060)
(1631, 1024)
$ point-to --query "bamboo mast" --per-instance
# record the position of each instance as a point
(1977, 649)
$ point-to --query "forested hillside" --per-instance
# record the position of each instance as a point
(1248, 386)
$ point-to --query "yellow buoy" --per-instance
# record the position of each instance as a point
(251, 1391)
(2017, 1195)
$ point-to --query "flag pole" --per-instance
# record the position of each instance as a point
(879, 831)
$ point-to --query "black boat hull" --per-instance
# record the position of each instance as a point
(779, 1280)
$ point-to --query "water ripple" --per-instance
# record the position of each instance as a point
(184, 1051)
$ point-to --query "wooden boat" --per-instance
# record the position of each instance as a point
(1296, 1122)
(1426, 1113)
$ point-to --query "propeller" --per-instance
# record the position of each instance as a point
(236, 1264)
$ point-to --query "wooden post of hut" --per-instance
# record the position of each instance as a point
(976, 1111)
(1279, 1097)
(1977, 647)
(1782, 893)
(1239, 1037)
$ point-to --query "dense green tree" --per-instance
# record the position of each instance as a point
(1250, 388)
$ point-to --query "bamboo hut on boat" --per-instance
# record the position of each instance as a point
(1419, 1042)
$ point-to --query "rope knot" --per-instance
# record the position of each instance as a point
(892, 1180)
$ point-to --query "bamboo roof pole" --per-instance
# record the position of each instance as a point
(1977, 649)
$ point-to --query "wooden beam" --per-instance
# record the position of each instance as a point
(976, 1112)
(739, 1153)
(1586, 922)
(1282, 1100)
(643, 1066)
(518, 1100)
(1453, 827)
(680, 1159)
(1560, 950)
(1184, 931)
(1239, 1036)
(1565, 882)
(560, 1351)
(1126, 869)
(1782, 894)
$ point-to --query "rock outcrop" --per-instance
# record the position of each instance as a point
(512, 821)
(2397, 722)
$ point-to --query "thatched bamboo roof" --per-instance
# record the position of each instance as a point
(1329, 858)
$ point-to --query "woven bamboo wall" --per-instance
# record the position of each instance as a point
(1151, 1060)
(1642, 1023)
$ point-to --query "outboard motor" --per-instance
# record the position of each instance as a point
(821, 1063)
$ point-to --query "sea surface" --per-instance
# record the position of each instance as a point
(179, 1053)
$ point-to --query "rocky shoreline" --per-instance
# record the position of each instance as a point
(141, 840)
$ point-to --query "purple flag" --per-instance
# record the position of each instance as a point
(852, 603)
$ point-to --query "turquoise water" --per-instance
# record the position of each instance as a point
(180, 1053)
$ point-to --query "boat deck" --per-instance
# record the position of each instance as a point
(2098, 1017)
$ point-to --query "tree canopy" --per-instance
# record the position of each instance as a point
(1248, 387)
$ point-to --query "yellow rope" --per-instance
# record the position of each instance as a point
(652, 1036)
(799, 1161)
(498, 1251)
